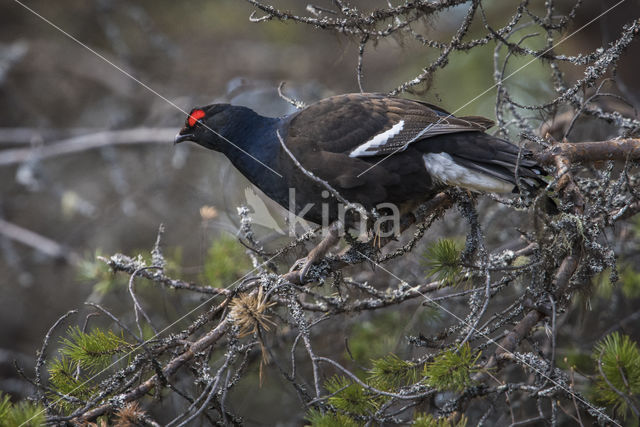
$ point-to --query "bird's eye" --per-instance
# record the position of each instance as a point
(194, 116)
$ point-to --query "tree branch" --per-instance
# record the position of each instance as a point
(585, 152)
(170, 368)
(89, 142)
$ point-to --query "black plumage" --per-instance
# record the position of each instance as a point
(371, 148)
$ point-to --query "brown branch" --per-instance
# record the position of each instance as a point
(171, 368)
(630, 210)
(583, 152)
(557, 124)
(510, 342)
(565, 271)
(568, 189)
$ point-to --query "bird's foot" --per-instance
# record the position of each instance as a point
(318, 253)
(303, 265)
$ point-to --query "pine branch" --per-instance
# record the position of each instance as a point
(168, 371)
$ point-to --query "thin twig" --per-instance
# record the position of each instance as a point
(136, 304)
(42, 355)
(296, 103)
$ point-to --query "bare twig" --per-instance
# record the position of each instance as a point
(115, 319)
(136, 304)
(296, 103)
(42, 355)
(128, 265)
(169, 369)
(38, 242)
(88, 142)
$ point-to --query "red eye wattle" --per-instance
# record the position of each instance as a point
(195, 116)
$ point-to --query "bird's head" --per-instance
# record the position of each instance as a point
(209, 126)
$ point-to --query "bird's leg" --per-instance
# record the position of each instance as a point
(377, 237)
(316, 254)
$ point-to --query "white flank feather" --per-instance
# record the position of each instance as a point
(444, 169)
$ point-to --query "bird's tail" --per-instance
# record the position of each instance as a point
(481, 162)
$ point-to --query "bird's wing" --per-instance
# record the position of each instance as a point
(363, 125)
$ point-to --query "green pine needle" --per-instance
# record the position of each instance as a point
(318, 419)
(95, 350)
(83, 355)
(391, 372)
(65, 379)
(620, 359)
(442, 258)
(5, 405)
(350, 397)
(452, 369)
(24, 413)
(427, 420)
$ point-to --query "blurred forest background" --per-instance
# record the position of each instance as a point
(110, 191)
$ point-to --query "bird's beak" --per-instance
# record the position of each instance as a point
(180, 137)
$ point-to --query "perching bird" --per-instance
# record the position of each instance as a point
(370, 148)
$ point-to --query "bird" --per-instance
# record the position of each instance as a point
(369, 149)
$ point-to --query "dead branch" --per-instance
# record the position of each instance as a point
(89, 142)
(590, 152)
(34, 136)
(128, 265)
(38, 242)
(505, 348)
(168, 371)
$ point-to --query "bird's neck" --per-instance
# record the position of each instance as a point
(254, 144)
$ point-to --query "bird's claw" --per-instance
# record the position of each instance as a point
(303, 265)
(318, 253)
(299, 264)
(304, 270)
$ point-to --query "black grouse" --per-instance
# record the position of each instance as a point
(371, 148)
